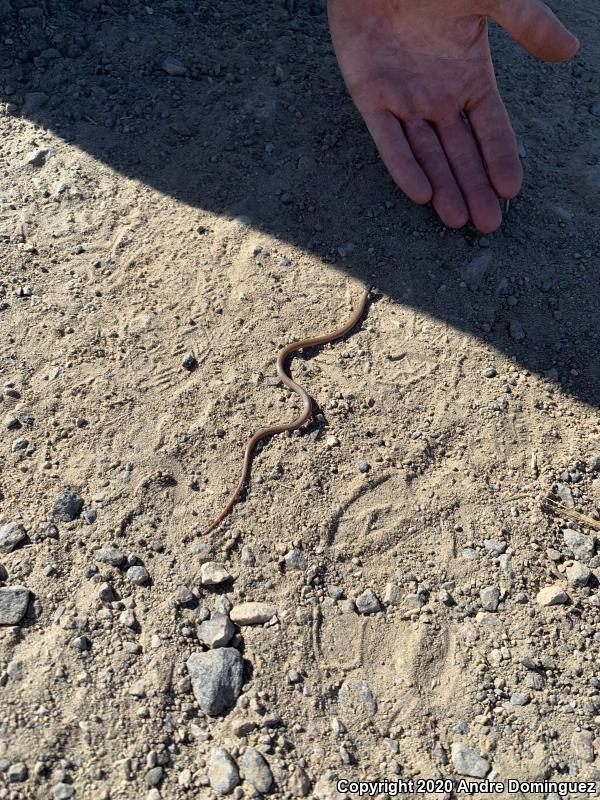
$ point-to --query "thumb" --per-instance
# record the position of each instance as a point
(536, 28)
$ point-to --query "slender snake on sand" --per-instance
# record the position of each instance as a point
(303, 417)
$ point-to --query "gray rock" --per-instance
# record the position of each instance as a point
(174, 66)
(183, 595)
(519, 699)
(295, 559)
(256, 770)
(357, 695)
(552, 596)
(13, 604)
(474, 272)
(490, 598)
(299, 782)
(248, 557)
(34, 101)
(154, 776)
(216, 679)
(106, 593)
(67, 506)
(37, 158)
(467, 762)
(252, 613)
(62, 791)
(582, 743)
(363, 466)
(535, 681)
(110, 555)
(367, 602)
(391, 594)
(595, 108)
(138, 575)
(11, 536)
(495, 546)
(213, 574)
(216, 631)
(189, 362)
(578, 574)
(516, 330)
(223, 775)
(580, 544)
(18, 772)
(564, 493)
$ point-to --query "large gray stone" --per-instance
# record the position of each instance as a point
(13, 604)
(467, 762)
(216, 679)
(256, 770)
(223, 774)
(11, 536)
(67, 506)
(368, 602)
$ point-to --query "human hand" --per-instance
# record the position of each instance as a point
(421, 75)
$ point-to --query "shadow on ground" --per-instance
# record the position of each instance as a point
(259, 125)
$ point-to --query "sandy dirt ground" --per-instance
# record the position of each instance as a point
(186, 187)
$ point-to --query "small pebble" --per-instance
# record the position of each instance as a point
(138, 575)
(552, 596)
(367, 602)
(213, 574)
(223, 774)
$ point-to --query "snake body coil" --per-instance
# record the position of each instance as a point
(302, 418)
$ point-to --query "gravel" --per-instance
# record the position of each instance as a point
(358, 696)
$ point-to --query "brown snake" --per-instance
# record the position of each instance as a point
(303, 417)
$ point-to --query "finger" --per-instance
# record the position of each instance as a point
(397, 156)
(498, 144)
(447, 197)
(536, 28)
(465, 159)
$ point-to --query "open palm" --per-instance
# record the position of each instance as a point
(421, 74)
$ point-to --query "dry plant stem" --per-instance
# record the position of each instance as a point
(570, 513)
(303, 417)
